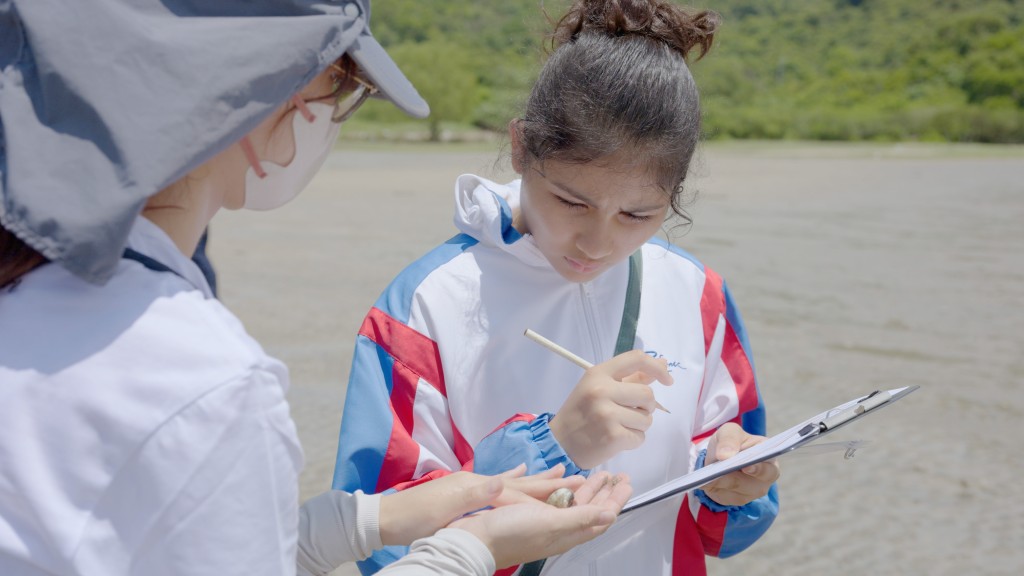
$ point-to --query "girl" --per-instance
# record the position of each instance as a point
(142, 431)
(443, 378)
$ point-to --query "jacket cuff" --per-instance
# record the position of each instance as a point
(706, 500)
(550, 450)
(524, 439)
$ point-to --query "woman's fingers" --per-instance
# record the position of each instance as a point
(604, 489)
(424, 509)
(524, 532)
(538, 486)
(556, 471)
(514, 472)
(586, 493)
(615, 493)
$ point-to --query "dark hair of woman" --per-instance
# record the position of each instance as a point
(16, 259)
(617, 80)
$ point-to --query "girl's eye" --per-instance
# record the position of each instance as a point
(637, 217)
(570, 205)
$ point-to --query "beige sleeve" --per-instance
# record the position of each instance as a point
(450, 552)
(337, 527)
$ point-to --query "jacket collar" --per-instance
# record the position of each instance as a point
(484, 210)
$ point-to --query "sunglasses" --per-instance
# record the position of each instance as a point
(346, 104)
(347, 101)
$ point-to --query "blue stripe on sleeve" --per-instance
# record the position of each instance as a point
(676, 250)
(746, 523)
(366, 421)
(749, 522)
(732, 316)
(753, 421)
(396, 301)
(381, 558)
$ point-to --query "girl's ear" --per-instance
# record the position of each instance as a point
(517, 146)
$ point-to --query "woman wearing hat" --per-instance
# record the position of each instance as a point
(141, 429)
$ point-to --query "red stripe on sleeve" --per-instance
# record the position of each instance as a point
(516, 418)
(419, 355)
(403, 394)
(413, 349)
(403, 452)
(507, 571)
(687, 550)
(711, 526)
(415, 357)
(432, 475)
(422, 479)
(700, 437)
(738, 365)
(463, 451)
(712, 305)
(401, 457)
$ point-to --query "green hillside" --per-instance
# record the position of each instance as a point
(797, 69)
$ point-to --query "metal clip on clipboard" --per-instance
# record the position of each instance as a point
(869, 402)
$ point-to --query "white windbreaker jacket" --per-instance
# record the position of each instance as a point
(444, 380)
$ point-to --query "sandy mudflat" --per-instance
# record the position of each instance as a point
(855, 268)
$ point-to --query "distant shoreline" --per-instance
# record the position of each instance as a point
(471, 142)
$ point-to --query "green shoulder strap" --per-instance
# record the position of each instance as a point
(624, 343)
(631, 311)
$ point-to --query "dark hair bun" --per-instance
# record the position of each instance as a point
(662, 21)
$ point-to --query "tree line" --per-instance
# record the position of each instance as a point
(934, 70)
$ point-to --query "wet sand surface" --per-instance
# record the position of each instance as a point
(855, 268)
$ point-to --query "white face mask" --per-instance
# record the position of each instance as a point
(278, 184)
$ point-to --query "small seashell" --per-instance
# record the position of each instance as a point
(561, 498)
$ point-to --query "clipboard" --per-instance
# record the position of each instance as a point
(792, 439)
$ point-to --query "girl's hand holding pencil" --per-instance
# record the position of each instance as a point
(602, 417)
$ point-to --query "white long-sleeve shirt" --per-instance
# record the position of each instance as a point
(142, 431)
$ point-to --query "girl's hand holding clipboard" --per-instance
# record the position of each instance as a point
(740, 486)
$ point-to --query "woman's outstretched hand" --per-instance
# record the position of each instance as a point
(423, 509)
(530, 530)
(610, 409)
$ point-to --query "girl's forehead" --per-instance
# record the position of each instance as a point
(606, 178)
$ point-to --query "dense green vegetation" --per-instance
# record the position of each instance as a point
(797, 69)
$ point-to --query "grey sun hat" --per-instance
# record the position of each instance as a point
(104, 103)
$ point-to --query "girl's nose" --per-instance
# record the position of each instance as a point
(595, 242)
